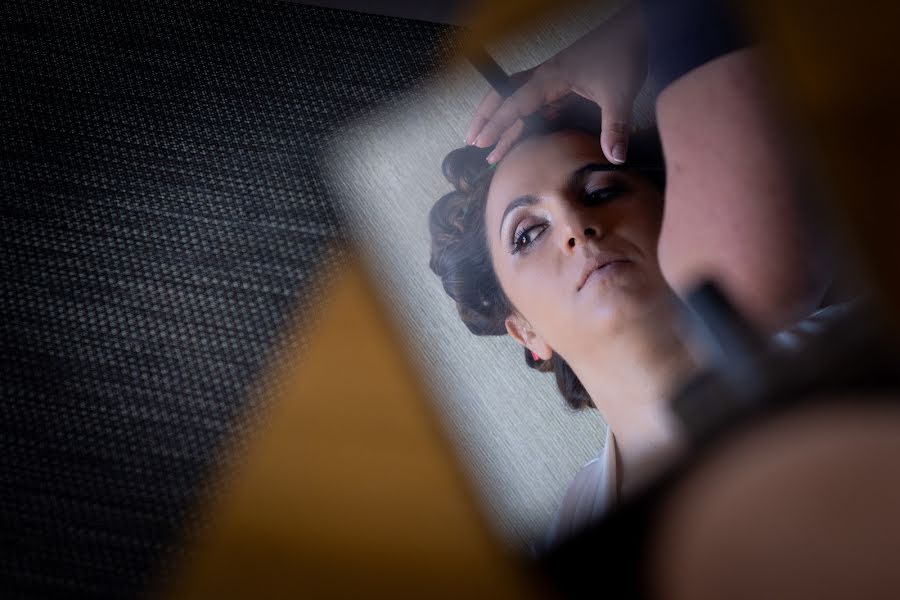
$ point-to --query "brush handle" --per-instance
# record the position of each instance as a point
(502, 83)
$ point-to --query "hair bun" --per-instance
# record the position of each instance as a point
(459, 253)
(464, 166)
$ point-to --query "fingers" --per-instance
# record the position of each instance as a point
(498, 122)
(488, 106)
(528, 99)
(614, 128)
(506, 141)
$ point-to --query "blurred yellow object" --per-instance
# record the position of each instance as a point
(491, 21)
(349, 488)
(838, 71)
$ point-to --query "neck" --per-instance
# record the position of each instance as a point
(630, 380)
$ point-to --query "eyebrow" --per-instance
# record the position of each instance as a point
(528, 200)
(574, 182)
(577, 177)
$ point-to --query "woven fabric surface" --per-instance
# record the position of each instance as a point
(163, 216)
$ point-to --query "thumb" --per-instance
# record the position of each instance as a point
(614, 128)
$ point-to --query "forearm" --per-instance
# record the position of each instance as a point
(735, 205)
(734, 197)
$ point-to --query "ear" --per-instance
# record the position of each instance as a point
(520, 330)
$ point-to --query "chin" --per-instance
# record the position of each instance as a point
(614, 307)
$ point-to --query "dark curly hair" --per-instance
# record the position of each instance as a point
(461, 258)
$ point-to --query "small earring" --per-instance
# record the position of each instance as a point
(535, 357)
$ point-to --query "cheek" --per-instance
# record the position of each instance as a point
(650, 215)
(666, 253)
(534, 287)
(644, 228)
(674, 251)
(522, 284)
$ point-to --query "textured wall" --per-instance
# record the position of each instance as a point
(163, 214)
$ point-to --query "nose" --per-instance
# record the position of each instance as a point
(577, 228)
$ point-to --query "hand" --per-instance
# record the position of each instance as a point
(607, 66)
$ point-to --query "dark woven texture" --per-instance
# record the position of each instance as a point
(163, 215)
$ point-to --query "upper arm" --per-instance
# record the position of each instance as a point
(735, 206)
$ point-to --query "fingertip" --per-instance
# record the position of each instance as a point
(615, 148)
(497, 153)
(475, 129)
(614, 137)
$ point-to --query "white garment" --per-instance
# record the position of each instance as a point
(590, 495)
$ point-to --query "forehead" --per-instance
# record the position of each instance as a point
(537, 165)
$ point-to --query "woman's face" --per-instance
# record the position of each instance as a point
(574, 247)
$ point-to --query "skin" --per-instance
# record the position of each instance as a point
(613, 52)
(737, 200)
(733, 185)
(616, 332)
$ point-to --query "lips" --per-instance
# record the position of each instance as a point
(596, 264)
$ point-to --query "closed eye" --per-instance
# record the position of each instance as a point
(602, 195)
